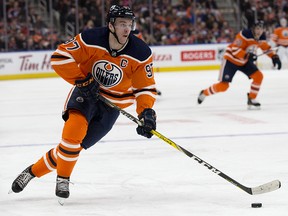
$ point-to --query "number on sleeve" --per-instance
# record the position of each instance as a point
(149, 70)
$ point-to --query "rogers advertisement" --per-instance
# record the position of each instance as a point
(166, 59)
(198, 55)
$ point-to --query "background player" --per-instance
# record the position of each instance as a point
(241, 55)
(121, 64)
(280, 38)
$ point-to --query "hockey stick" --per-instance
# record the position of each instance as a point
(268, 51)
(265, 188)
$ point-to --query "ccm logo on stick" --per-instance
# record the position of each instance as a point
(206, 164)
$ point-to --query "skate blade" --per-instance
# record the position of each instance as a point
(61, 201)
(251, 107)
(10, 191)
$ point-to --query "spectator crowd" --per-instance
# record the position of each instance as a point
(165, 22)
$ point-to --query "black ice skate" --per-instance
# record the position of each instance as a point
(62, 189)
(22, 180)
(201, 97)
(253, 104)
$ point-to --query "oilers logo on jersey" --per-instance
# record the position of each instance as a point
(107, 73)
(285, 33)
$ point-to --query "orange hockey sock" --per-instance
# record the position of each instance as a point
(65, 155)
(256, 84)
(216, 88)
(68, 150)
(45, 164)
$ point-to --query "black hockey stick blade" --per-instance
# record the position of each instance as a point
(265, 188)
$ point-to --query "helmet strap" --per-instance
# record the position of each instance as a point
(114, 34)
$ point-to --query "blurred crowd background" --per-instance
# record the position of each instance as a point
(43, 24)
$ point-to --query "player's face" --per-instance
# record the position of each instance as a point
(258, 31)
(123, 27)
(283, 22)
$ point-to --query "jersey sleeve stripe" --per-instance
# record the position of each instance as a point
(146, 87)
(59, 57)
(62, 62)
(117, 96)
(145, 93)
(62, 58)
(125, 102)
(63, 53)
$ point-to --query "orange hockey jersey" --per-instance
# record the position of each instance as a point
(280, 36)
(123, 75)
(243, 43)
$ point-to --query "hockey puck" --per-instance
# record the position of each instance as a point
(256, 205)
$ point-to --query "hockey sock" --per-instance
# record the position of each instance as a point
(65, 155)
(45, 164)
(68, 150)
(257, 78)
(217, 87)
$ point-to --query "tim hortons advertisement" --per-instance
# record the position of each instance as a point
(14, 65)
(25, 62)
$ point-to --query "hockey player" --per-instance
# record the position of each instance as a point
(280, 38)
(108, 61)
(241, 55)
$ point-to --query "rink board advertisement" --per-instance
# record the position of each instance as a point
(187, 57)
(36, 64)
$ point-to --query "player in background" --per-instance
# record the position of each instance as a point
(241, 55)
(108, 61)
(279, 39)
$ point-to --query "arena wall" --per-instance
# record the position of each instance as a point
(36, 64)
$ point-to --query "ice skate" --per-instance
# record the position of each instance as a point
(253, 104)
(62, 189)
(201, 97)
(22, 180)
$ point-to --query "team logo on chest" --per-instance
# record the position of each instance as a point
(285, 33)
(107, 73)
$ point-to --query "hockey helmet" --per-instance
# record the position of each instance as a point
(258, 23)
(117, 11)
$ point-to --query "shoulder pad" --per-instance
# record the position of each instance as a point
(263, 36)
(247, 33)
(96, 36)
(137, 48)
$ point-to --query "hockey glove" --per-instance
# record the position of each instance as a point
(276, 61)
(148, 117)
(251, 57)
(88, 87)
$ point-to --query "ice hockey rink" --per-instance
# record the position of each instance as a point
(128, 175)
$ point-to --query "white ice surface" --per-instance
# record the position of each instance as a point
(129, 175)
